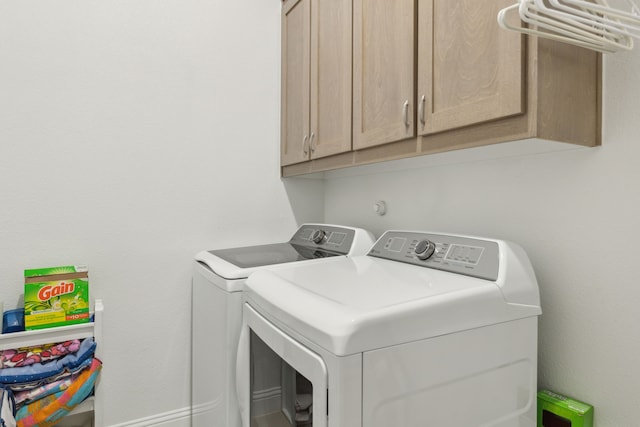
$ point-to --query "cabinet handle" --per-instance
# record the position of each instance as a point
(405, 113)
(312, 143)
(305, 146)
(421, 110)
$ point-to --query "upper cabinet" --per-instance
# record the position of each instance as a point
(484, 85)
(428, 76)
(469, 70)
(296, 45)
(316, 79)
(383, 71)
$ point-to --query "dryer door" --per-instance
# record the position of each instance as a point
(280, 383)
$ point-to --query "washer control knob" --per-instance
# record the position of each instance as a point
(318, 236)
(424, 249)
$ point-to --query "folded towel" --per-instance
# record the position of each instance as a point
(48, 411)
(15, 358)
(26, 396)
(43, 381)
(39, 371)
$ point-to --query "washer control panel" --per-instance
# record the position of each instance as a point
(456, 254)
(331, 238)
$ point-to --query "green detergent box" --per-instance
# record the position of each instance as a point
(556, 410)
(56, 296)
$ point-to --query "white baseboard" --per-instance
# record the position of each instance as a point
(267, 400)
(176, 418)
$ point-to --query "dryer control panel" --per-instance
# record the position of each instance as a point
(456, 254)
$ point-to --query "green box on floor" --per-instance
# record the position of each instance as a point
(56, 296)
(556, 410)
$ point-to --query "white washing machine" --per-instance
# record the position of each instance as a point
(425, 330)
(218, 279)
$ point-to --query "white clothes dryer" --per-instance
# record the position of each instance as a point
(218, 279)
(425, 330)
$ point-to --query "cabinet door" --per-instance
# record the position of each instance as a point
(383, 65)
(296, 33)
(469, 69)
(331, 47)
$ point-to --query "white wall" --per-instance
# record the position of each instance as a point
(132, 135)
(576, 212)
(136, 133)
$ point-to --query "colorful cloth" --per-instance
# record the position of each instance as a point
(25, 356)
(48, 411)
(41, 371)
(24, 397)
(66, 373)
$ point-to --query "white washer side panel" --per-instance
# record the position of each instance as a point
(216, 320)
(484, 377)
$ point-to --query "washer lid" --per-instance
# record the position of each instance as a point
(238, 263)
(310, 242)
(351, 305)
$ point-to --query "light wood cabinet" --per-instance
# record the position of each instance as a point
(383, 71)
(469, 69)
(296, 45)
(500, 85)
(436, 75)
(316, 79)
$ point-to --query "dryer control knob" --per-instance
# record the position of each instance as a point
(424, 249)
(318, 236)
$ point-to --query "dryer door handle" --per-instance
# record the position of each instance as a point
(243, 375)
